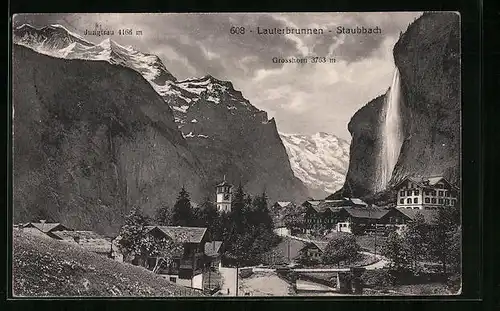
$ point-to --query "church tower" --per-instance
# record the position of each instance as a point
(224, 196)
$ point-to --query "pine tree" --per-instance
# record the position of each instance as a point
(262, 215)
(164, 216)
(182, 214)
(207, 215)
(238, 209)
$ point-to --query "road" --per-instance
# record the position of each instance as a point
(228, 281)
(303, 285)
(381, 263)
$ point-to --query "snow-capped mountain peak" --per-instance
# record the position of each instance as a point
(48, 38)
(57, 41)
(319, 160)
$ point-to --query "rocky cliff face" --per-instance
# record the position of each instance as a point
(91, 140)
(428, 58)
(233, 138)
(214, 131)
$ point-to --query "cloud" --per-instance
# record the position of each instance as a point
(304, 98)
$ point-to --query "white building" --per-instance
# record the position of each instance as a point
(224, 196)
(426, 193)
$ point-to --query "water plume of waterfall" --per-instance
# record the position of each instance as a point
(391, 134)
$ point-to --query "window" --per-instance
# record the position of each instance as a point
(433, 192)
(173, 278)
(440, 201)
(416, 192)
(426, 192)
(447, 201)
(440, 193)
(453, 202)
(433, 200)
(447, 194)
(408, 200)
(415, 207)
(427, 200)
(408, 192)
(415, 200)
(402, 193)
(402, 201)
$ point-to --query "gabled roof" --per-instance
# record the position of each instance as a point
(224, 183)
(366, 212)
(46, 227)
(312, 202)
(430, 216)
(318, 244)
(283, 203)
(425, 181)
(358, 201)
(212, 248)
(182, 234)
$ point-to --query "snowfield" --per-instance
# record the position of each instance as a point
(320, 160)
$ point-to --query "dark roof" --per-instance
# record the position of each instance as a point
(430, 216)
(312, 202)
(46, 227)
(366, 212)
(224, 183)
(318, 244)
(212, 248)
(182, 234)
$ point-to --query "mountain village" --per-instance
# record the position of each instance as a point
(302, 260)
(145, 185)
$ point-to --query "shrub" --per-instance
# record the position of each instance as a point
(378, 278)
(454, 283)
(245, 273)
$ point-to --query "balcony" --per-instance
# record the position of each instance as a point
(186, 264)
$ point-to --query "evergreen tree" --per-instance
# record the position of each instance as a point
(238, 209)
(262, 216)
(182, 214)
(163, 216)
(207, 215)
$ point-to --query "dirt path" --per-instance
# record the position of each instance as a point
(228, 281)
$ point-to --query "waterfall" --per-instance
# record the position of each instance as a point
(391, 134)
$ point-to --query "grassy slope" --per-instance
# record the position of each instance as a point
(46, 267)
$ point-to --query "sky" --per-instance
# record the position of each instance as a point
(303, 98)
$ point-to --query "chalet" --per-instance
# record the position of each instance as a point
(213, 252)
(426, 193)
(187, 266)
(45, 227)
(323, 215)
(89, 240)
(314, 250)
(368, 218)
